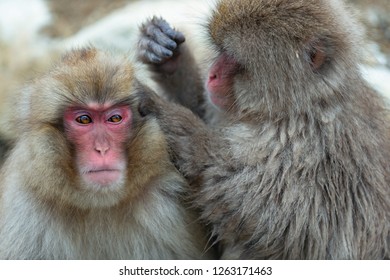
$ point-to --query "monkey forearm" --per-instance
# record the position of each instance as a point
(189, 141)
(184, 85)
(164, 50)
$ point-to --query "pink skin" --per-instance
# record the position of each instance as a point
(220, 81)
(99, 143)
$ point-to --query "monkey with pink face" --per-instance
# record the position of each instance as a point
(298, 163)
(88, 178)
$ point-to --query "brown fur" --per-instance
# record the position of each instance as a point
(44, 211)
(299, 168)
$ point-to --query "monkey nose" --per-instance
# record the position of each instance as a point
(102, 149)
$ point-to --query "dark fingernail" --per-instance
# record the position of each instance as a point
(180, 37)
(168, 53)
(172, 45)
(156, 59)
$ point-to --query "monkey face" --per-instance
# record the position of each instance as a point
(84, 128)
(220, 82)
(98, 134)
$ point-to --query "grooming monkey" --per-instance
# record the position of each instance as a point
(299, 164)
(88, 178)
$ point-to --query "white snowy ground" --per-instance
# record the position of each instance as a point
(117, 31)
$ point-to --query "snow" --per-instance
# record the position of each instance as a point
(22, 18)
(379, 78)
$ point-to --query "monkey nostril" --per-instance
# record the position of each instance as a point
(213, 77)
(102, 149)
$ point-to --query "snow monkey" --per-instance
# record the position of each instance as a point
(298, 166)
(88, 178)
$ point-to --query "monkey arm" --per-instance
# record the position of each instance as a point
(192, 144)
(173, 66)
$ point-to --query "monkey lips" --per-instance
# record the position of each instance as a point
(104, 177)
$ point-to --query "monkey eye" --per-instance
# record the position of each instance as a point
(115, 118)
(84, 119)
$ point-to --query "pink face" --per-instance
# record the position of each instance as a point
(220, 81)
(99, 133)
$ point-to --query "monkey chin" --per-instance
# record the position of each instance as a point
(103, 178)
(101, 189)
(220, 101)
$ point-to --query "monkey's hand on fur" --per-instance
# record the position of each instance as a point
(149, 104)
(186, 134)
(175, 120)
(159, 44)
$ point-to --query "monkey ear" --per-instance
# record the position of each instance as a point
(316, 53)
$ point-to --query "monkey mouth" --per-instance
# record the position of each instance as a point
(219, 100)
(102, 170)
(103, 177)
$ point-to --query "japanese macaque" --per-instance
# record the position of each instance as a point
(299, 165)
(88, 178)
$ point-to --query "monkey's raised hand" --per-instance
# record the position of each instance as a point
(172, 64)
(159, 44)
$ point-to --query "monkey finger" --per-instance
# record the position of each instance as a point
(155, 33)
(151, 52)
(164, 26)
(149, 57)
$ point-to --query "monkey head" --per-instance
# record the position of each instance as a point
(81, 117)
(278, 57)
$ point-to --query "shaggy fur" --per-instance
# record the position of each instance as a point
(45, 213)
(300, 166)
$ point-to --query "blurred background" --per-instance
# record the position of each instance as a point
(33, 34)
